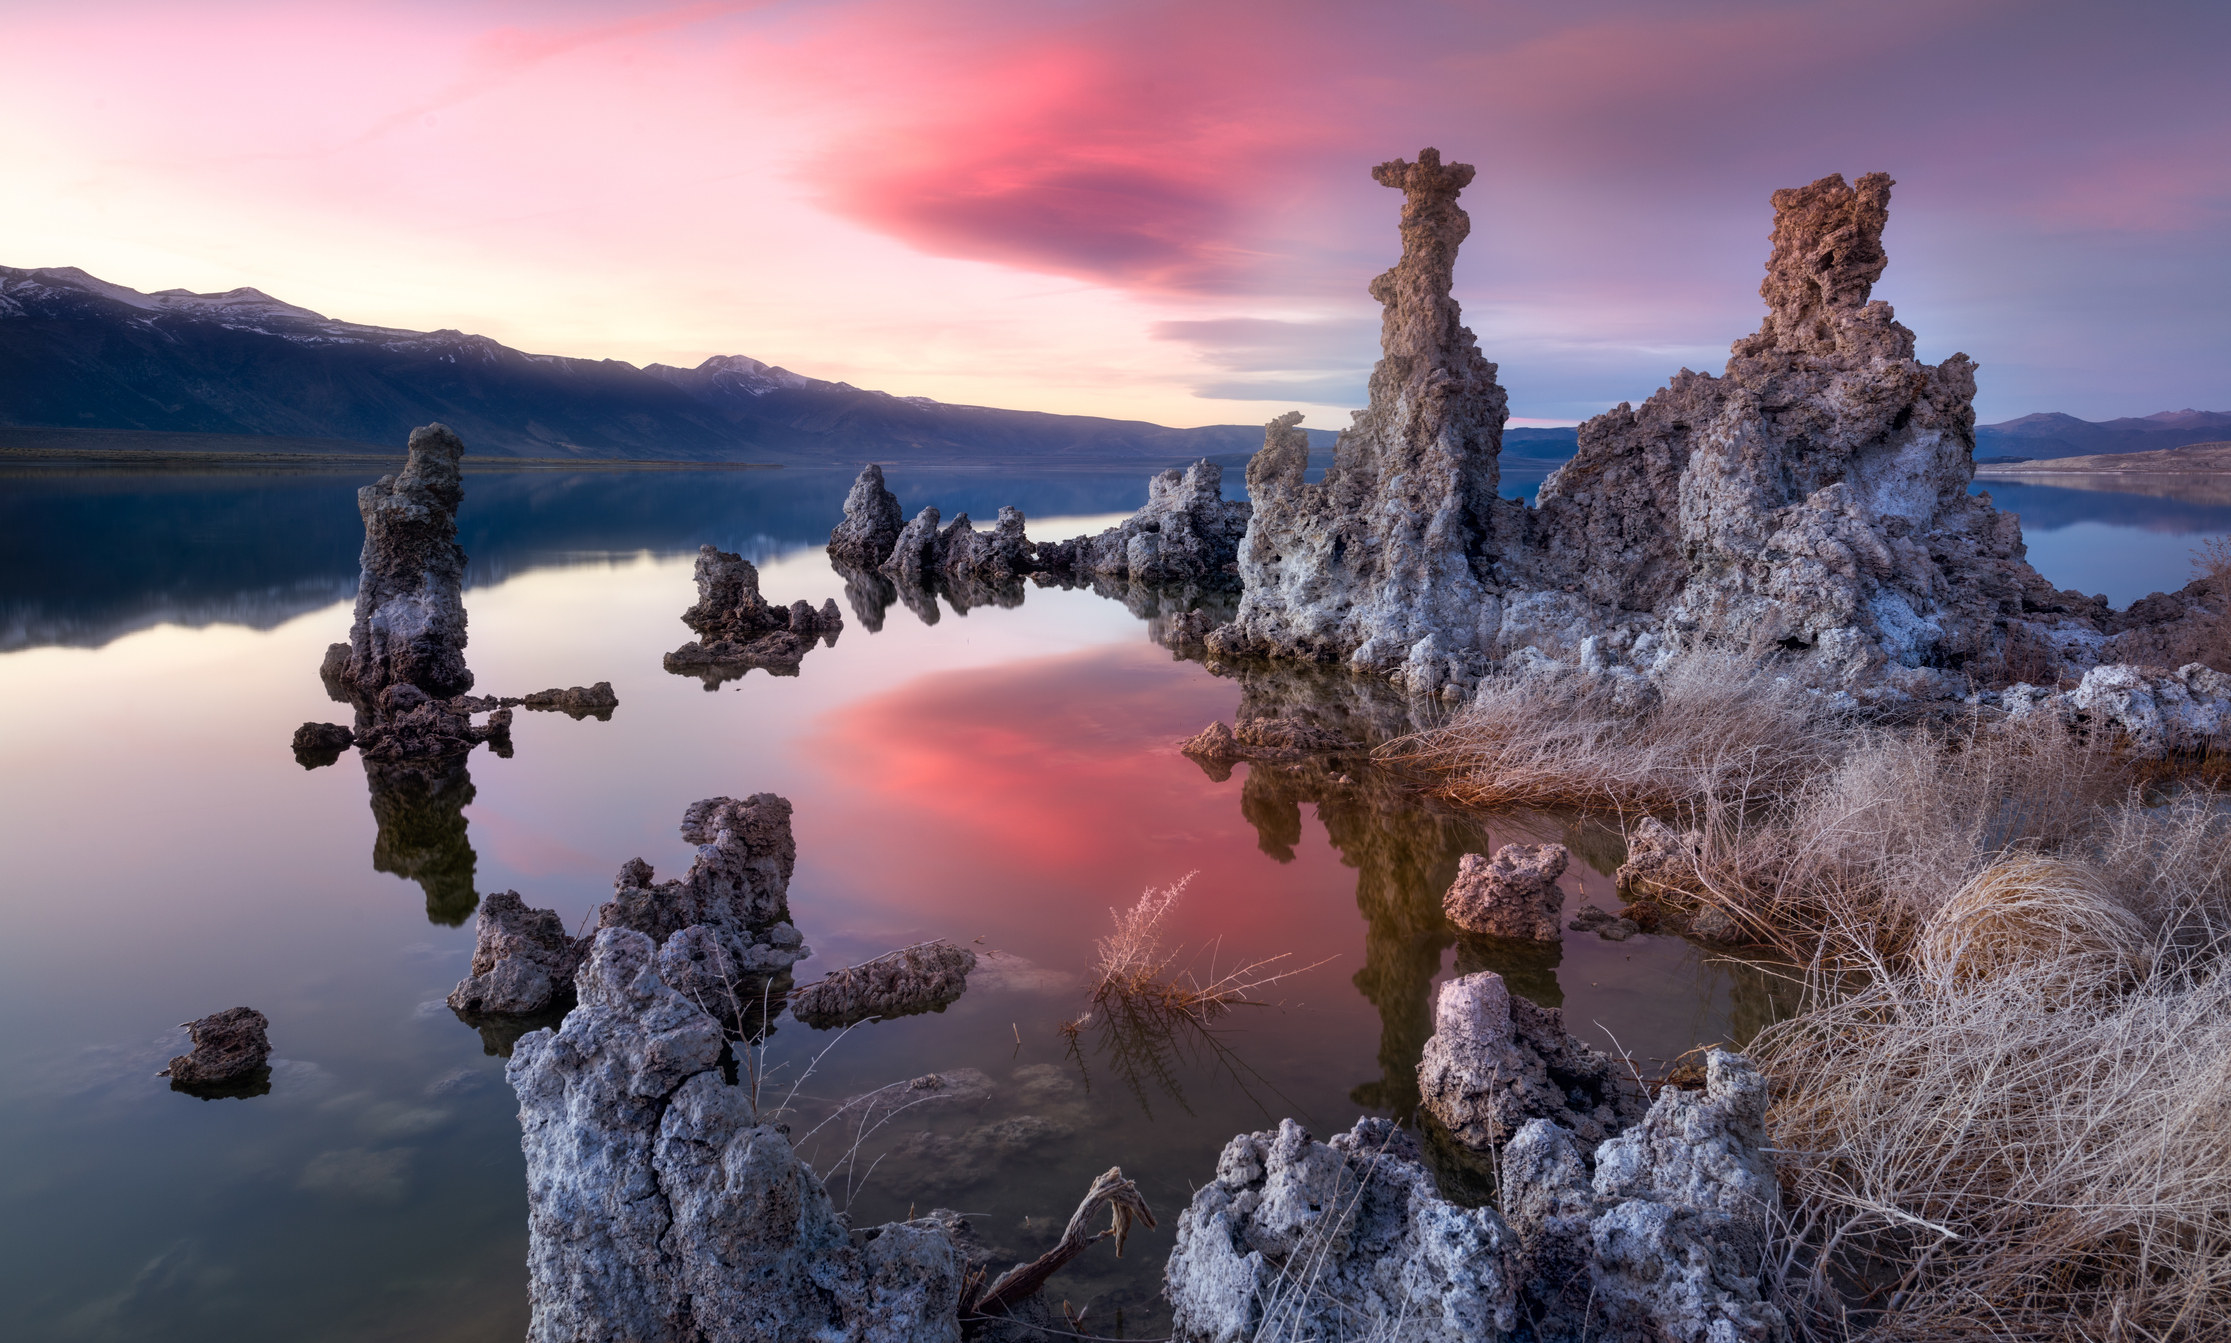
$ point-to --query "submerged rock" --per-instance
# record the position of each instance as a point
(925, 978)
(410, 610)
(733, 905)
(1496, 1061)
(231, 1048)
(872, 522)
(738, 629)
(662, 1210)
(1297, 1239)
(1380, 565)
(523, 961)
(576, 702)
(1512, 895)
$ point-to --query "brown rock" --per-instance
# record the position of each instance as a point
(319, 744)
(576, 702)
(1512, 895)
(230, 1047)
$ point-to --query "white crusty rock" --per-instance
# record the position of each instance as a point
(724, 927)
(659, 1210)
(1297, 1239)
(1187, 532)
(523, 960)
(872, 522)
(1384, 563)
(410, 608)
(2158, 712)
(1496, 1061)
(1514, 894)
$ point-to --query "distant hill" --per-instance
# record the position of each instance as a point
(77, 352)
(2053, 434)
(2189, 459)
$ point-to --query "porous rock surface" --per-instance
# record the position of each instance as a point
(229, 1046)
(523, 960)
(1497, 1060)
(872, 522)
(2157, 712)
(410, 610)
(1384, 563)
(738, 629)
(320, 744)
(1297, 1239)
(659, 1207)
(576, 702)
(1514, 894)
(924, 978)
(1666, 1241)
(1187, 532)
(723, 929)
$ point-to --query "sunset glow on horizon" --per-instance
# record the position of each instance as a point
(1151, 211)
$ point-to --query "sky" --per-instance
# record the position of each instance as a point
(1145, 210)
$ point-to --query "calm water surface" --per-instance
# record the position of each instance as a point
(1001, 778)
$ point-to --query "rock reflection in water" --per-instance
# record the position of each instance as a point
(419, 806)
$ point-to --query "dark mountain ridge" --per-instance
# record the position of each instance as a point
(77, 352)
(2053, 434)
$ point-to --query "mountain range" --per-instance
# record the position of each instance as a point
(114, 367)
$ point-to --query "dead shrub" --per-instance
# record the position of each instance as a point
(2027, 914)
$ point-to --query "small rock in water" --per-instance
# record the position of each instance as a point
(320, 744)
(1619, 930)
(230, 1056)
(1512, 895)
(926, 978)
(576, 701)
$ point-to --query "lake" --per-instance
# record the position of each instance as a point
(1004, 778)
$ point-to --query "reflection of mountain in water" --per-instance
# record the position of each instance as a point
(86, 557)
(2173, 505)
(420, 809)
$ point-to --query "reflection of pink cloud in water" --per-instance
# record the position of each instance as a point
(529, 849)
(1022, 801)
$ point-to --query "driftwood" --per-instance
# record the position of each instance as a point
(1125, 1205)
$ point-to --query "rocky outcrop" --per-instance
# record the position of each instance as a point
(661, 1209)
(404, 723)
(410, 610)
(2157, 713)
(1188, 532)
(1385, 563)
(924, 978)
(1297, 1239)
(871, 525)
(1666, 1241)
(231, 1050)
(1265, 740)
(523, 961)
(737, 628)
(1496, 1061)
(575, 702)
(1512, 895)
(1669, 1239)
(723, 929)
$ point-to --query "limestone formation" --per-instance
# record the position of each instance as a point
(924, 978)
(230, 1048)
(1496, 1061)
(523, 961)
(871, 525)
(661, 1209)
(2156, 712)
(410, 610)
(1512, 895)
(576, 702)
(723, 929)
(1385, 564)
(1297, 1239)
(1187, 532)
(917, 554)
(404, 723)
(999, 558)
(738, 629)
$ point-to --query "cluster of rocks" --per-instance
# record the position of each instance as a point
(231, 1056)
(722, 930)
(1182, 544)
(737, 629)
(1807, 509)
(1616, 1220)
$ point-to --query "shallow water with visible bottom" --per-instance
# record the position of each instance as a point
(1005, 778)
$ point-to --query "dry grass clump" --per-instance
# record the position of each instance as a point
(2028, 914)
(1708, 728)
